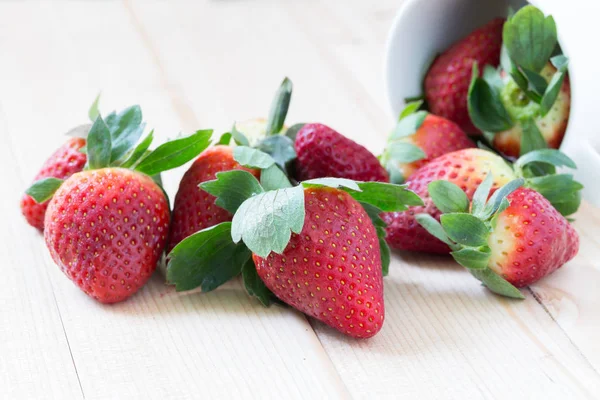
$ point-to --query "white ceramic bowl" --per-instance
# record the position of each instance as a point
(423, 28)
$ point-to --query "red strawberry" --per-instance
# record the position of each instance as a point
(433, 137)
(531, 239)
(466, 168)
(65, 161)
(332, 269)
(323, 152)
(552, 126)
(447, 81)
(106, 229)
(195, 209)
(107, 226)
(511, 240)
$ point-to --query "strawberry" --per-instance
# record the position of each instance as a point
(318, 246)
(447, 80)
(551, 126)
(531, 239)
(525, 105)
(466, 168)
(419, 138)
(322, 152)
(194, 209)
(332, 269)
(509, 241)
(64, 162)
(106, 227)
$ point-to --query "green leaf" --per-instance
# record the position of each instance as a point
(536, 82)
(560, 62)
(485, 107)
(481, 195)
(280, 147)
(125, 128)
(404, 152)
(448, 197)
(232, 188)
(225, 139)
(93, 111)
(279, 107)
(547, 156)
(274, 178)
(44, 189)
(408, 125)
(99, 145)
(175, 153)
(473, 258)
(386, 196)
(495, 201)
(492, 77)
(293, 130)
(531, 137)
(568, 203)
(496, 283)
(206, 259)
(552, 91)
(395, 173)
(140, 151)
(384, 251)
(530, 38)
(238, 137)
(465, 229)
(332, 182)
(265, 222)
(410, 108)
(252, 158)
(561, 190)
(374, 214)
(432, 226)
(255, 286)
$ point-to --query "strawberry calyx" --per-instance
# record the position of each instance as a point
(538, 169)
(270, 136)
(398, 149)
(266, 214)
(466, 228)
(518, 92)
(113, 142)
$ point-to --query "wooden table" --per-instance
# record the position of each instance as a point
(204, 64)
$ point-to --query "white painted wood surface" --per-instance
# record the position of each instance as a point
(205, 64)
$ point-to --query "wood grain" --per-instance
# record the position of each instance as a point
(206, 64)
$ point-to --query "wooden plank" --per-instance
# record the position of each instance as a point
(35, 359)
(447, 337)
(158, 344)
(570, 295)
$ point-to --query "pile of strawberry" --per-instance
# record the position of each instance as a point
(306, 215)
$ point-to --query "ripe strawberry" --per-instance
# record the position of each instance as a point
(552, 126)
(466, 168)
(323, 152)
(332, 269)
(194, 209)
(510, 240)
(419, 138)
(106, 229)
(531, 239)
(447, 81)
(64, 162)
